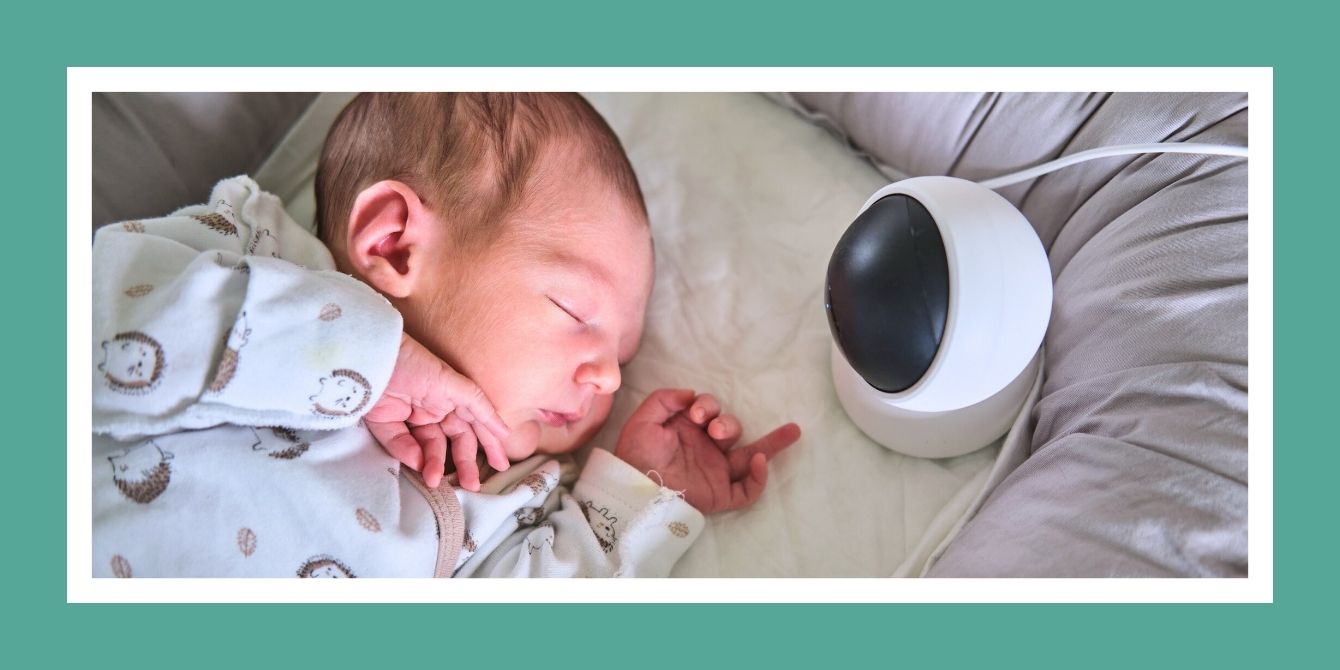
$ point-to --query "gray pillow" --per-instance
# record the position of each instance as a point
(1139, 448)
(156, 152)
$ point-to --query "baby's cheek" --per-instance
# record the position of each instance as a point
(600, 411)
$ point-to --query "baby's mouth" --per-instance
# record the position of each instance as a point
(558, 419)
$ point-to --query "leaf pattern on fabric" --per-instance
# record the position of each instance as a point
(246, 541)
(367, 521)
(121, 567)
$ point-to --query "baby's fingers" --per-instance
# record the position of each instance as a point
(779, 439)
(746, 491)
(390, 407)
(493, 448)
(463, 449)
(725, 430)
(469, 401)
(705, 408)
(434, 443)
(395, 438)
(769, 445)
(662, 405)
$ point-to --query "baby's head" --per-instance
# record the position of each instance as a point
(510, 232)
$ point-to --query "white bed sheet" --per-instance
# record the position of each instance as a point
(746, 201)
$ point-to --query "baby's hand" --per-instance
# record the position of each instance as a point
(687, 441)
(427, 403)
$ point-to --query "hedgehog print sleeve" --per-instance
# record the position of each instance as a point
(532, 521)
(230, 312)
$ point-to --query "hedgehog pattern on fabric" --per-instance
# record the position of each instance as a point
(529, 516)
(133, 363)
(537, 482)
(343, 393)
(545, 534)
(217, 223)
(232, 350)
(240, 266)
(142, 472)
(278, 442)
(263, 236)
(602, 522)
(325, 567)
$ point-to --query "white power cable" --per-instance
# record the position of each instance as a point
(1118, 150)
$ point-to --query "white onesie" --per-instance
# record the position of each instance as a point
(232, 366)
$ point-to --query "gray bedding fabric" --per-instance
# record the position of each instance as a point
(1139, 450)
(154, 152)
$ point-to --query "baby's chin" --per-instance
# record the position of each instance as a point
(523, 440)
(560, 439)
(530, 436)
(563, 439)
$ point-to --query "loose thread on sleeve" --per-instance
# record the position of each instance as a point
(661, 482)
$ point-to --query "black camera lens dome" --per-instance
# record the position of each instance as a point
(887, 294)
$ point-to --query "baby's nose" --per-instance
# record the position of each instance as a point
(604, 374)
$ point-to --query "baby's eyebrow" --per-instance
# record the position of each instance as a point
(564, 261)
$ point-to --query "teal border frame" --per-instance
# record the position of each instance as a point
(1294, 38)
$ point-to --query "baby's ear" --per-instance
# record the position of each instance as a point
(390, 230)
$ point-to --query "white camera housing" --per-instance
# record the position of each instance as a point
(999, 296)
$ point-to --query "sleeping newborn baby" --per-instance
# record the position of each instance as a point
(254, 406)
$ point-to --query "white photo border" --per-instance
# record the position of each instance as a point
(1258, 587)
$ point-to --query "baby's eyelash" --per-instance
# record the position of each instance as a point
(566, 310)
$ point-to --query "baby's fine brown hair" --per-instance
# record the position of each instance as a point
(470, 156)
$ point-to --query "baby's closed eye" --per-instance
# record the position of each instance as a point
(568, 310)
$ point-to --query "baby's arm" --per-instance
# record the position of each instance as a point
(230, 312)
(615, 522)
